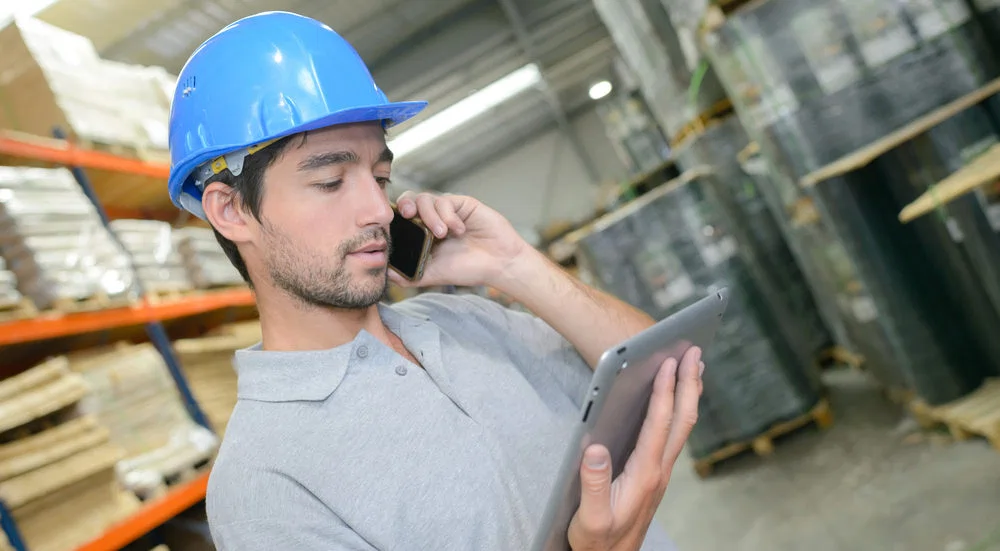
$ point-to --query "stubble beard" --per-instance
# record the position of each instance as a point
(312, 280)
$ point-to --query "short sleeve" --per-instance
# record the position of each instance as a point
(265, 511)
(542, 355)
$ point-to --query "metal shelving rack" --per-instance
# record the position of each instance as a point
(60, 152)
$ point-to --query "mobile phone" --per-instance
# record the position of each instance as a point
(411, 246)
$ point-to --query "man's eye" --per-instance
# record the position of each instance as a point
(383, 181)
(328, 185)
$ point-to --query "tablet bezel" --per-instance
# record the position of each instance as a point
(618, 395)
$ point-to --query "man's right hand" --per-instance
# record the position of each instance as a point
(615, 515)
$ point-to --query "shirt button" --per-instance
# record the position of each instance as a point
(362, 351)
(400, 370)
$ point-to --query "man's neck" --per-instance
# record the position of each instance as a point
(288, 324)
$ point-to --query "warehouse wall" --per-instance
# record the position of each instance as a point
(543, 180)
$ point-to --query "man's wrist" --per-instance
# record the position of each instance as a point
(523, 274)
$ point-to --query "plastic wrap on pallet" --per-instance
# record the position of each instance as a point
(664, 65)
(54, 242)
(9, 295)
(988, 12)
(666, 250)
(823, 79)
(153, 246)
(206, 263)
(931, 279)
(766, 251)
(59, 79)
(833, 269)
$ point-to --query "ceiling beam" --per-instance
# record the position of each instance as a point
(526, 43)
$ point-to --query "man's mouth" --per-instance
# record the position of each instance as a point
(377, 247)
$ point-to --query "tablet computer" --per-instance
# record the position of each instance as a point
(617, 401)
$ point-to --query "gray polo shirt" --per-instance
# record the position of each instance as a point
(357, 448)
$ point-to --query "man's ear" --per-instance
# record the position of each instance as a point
(225, 212)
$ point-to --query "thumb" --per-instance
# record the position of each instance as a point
(593, 521)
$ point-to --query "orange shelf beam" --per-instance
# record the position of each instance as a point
(150, 516)
(41, 328)
(25, 146)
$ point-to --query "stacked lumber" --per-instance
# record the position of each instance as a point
(136, 398)
(132, 394)
(208, 366)
(56, 466)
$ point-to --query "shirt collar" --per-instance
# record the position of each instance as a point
(311, 375)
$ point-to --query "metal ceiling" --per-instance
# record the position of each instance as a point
(436, 50)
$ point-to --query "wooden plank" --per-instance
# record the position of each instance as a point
(862, 157)
(985, 169)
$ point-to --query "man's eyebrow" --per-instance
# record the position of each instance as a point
(322, 160)
(386, 156)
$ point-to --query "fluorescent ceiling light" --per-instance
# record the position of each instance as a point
(600, 90)
(465, 110)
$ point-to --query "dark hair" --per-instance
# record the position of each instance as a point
(249, 188)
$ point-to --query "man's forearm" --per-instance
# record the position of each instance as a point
(591, 320)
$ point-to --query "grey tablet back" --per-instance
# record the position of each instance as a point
(615, 406)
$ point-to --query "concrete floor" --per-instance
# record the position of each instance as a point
(872, 482)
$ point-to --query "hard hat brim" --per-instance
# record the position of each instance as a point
(391, 114)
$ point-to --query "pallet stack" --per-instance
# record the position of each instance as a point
(135, 397)
(52, 239)
(50, 77)
(56, 465)
(158, 264)
(207, 265)
(208, 366)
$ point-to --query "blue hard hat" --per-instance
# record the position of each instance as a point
(262, 78)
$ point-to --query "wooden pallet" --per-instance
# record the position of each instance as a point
(763, 444)
(701, 123)
(139, 152)
(977, 414)
(838, 355)
(24, 309)
(100, 301)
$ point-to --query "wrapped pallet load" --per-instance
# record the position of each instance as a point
(153, 247)
(10, 297)
(206, 263)
(57, 466)
(663, 61)
(819, 85)
(134, 395)
(666, 250)
(51, 78)
(54, 242)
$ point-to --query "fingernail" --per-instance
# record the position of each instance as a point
(595, 460)
(440, 231)
(701, 368)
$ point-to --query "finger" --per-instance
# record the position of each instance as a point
(429, 215)
(685, 406)
(406, 204)
(592, 523)
(446, 210)
(396, 278)
(648, 452)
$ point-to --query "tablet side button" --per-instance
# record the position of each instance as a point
(586, 412)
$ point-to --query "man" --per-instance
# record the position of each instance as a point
(437, 423)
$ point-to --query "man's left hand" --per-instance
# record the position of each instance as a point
(475, 243)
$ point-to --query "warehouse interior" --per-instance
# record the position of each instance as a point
(835, 165)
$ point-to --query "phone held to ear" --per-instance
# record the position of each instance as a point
(411, 246)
